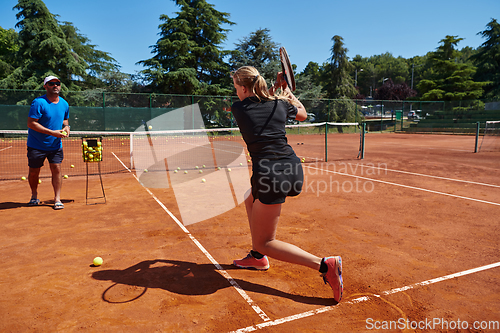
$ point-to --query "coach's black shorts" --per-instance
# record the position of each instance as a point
(274, 180)
(36, 157)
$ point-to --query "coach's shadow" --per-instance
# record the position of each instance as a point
(181, 277)
(13, 205)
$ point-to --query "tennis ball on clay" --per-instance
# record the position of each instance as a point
(98, 261)
(203, 165)
(241, 163)
(145, 170)
(203, 180)
(39, 181)
(201, 171)
(303, 160)
(72, 166)
(65, 176)
(249, 161)
(218, 168)
(150, 127)
(228, 169)
(23, 178)
(175, 171)
(178, 168)
(197, 167)
(185, 171)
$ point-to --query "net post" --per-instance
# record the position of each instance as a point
(363, 141)
(478, 125)
(326, 141)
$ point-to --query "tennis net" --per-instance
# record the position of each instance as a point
(177, 150)
(491, 137)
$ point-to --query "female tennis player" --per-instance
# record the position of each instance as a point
(261, 115)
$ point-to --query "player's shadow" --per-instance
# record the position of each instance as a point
(181, 277)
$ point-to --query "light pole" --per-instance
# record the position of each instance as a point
(356, 77)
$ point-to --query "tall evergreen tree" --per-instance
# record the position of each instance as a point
(48, 48)
(43, 48)
(487, 60)
(260, 51)
(449, 79)
(188, 58)
(340, 83)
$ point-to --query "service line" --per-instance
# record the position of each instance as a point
(406, 186)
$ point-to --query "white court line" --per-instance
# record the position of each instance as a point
(406, 186)
(430, 176)
(362, 299)
(5, 148)
(223, 272)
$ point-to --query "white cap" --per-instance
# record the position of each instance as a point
(50, 78)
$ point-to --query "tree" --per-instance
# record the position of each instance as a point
(188, 58)
(309, 82)
(258, 50)
(99, 64)
(48, 48)
(391, 91)
(340, 83)
(447, 78)
(487, 60)
(9, 45)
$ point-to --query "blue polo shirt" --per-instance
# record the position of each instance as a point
(50, 115)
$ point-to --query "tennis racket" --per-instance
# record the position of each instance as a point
(286, 66)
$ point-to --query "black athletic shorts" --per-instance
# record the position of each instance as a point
(36, 157)
(274, 180)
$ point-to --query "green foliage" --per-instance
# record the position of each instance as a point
(46, 47)
(258, 50)
(9, 45)
(447, 78)
(487, 60)
(188, 58)
(337, 72)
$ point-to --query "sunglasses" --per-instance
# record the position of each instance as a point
(50, 84)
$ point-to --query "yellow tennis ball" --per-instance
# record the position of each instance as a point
(39, 181)
(203, 180)
(65, 176)
(228, 169)
(72, 166)
(64, 133)
(97, 261)
(150, 127)
(185, 171)
(201, 171)
(23, 178)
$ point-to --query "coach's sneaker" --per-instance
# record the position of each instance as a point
(251, 262)
(333, 276)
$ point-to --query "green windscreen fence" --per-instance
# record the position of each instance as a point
(96, 110)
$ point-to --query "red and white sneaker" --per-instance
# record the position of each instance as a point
(334, 276)
(251, 262)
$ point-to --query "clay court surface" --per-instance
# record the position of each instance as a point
(416, 223)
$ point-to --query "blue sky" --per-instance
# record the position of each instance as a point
(126, 29)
